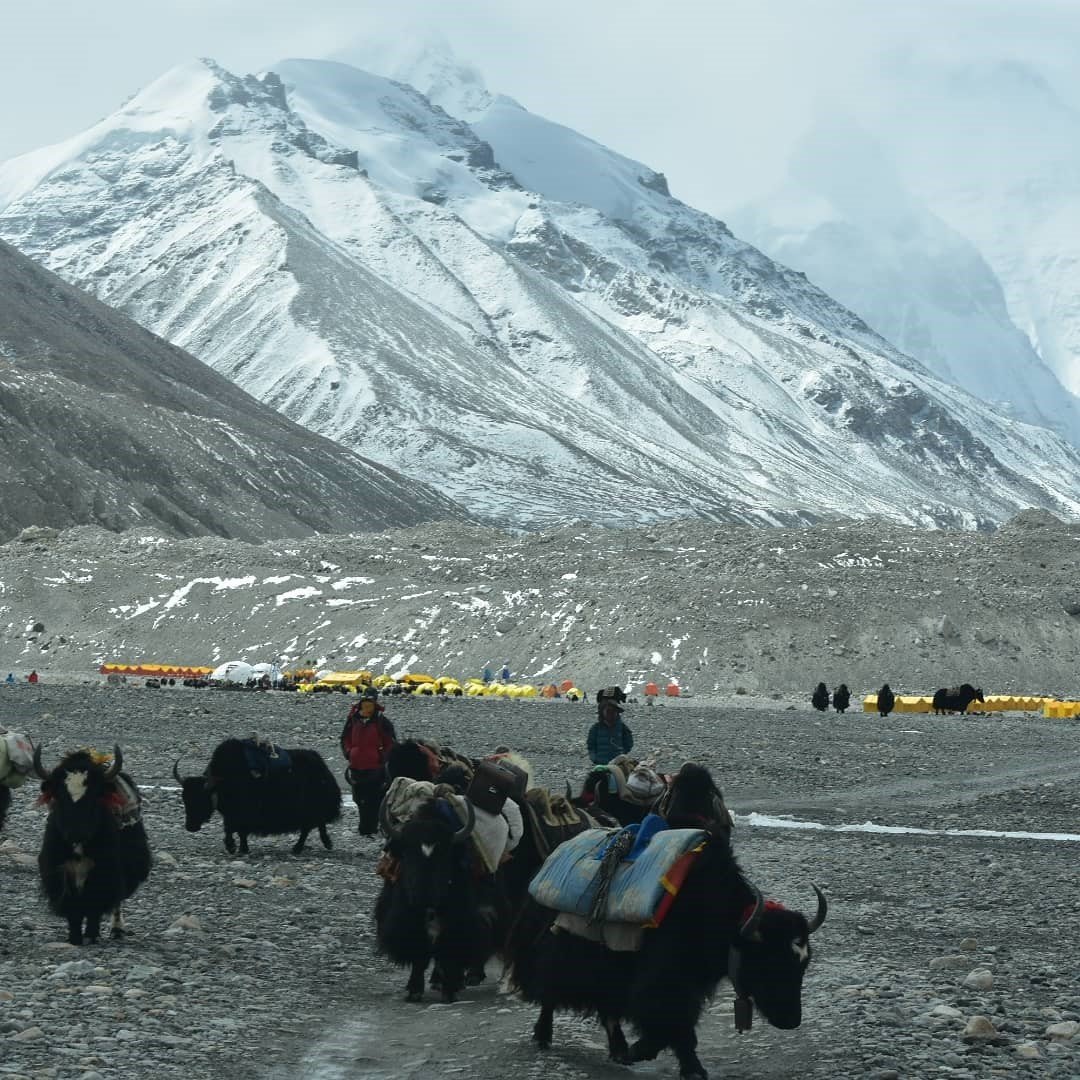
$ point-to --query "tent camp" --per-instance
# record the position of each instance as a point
(233, 671)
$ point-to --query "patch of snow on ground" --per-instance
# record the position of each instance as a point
(296, 594)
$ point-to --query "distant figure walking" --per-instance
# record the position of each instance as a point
(841, 698)
(886, 700)
(506, 673)
(820, 699)
(487, 674)
(609, 736)
(10, 680)
(32, 677)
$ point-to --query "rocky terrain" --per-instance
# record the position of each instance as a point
(725, 610)
(102, 422)
(943, 954)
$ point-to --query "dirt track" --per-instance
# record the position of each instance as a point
(280, 981)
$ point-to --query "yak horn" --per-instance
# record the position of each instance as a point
(113, 770)
(465, 831)
(822, 910)
(390, 831)
(749, 929)
(176, 771)
(37, 764)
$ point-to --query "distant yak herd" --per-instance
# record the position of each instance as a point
(955, 699)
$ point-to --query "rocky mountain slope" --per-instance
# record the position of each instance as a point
(102, 422)
(719, 608)
(505, 309)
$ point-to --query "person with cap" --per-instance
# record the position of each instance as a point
(609, 736)
(366, 741)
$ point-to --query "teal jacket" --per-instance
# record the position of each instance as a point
(606, 742)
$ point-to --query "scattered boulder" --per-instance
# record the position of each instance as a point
(979, 979)
(979, 1029)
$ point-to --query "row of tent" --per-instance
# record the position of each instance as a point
(232, 671)
(430, 685)
(993, 703)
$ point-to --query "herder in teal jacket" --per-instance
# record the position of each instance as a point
(609, 736)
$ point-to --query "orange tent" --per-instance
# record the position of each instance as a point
(672, 689)
(651, 689)
(550, 691)
(565, 685)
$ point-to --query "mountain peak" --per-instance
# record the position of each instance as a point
(429, 64)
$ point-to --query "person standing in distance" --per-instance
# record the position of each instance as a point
(609, 736)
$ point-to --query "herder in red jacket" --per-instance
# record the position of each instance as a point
(365, 742)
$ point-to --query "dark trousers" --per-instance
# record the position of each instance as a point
(368, 788)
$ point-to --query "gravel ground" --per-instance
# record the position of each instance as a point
(264, 966)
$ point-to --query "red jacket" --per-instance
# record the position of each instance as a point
(365, 743)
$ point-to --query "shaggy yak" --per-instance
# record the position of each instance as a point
(841, 698)
(957, 698)
(5, 803)
(886, 700)
(94, 854)
(820, 698)
(718, 926)
(428, 910)
(262, 800)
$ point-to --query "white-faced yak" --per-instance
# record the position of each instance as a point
(428, 910)
(956, 698)
(262, 790)
(717, 926)
(95, 853)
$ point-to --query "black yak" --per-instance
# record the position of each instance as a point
(956, 698)
(95, 853)
(820, 698)
(428, 910)
(841, 698)
(256, 798)
(5, 803)
(886, 700)
(718, 926)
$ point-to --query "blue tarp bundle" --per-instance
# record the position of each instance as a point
(568, 879)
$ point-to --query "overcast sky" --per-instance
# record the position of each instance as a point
(712, 92)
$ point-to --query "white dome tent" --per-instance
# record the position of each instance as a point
(232, 671)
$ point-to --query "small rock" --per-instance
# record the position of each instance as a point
(73, 969)
(1063, 1031)
(244, 883)
(163, 858)
(30, 1034)
(947, 1011)
(1028, 1050)
(979, 1028)
(969, 944)
(187, 922)
(979, 979)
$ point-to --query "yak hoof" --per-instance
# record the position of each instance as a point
(413, 996)
(474, 976)
(118, 932)
(298, 849)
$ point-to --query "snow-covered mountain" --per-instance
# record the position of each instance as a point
(846, 218)
(504, 308)
(102, 423)
(993, 148)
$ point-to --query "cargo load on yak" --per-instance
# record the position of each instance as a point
(494, 835)
(16, 758)
(609, 885)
